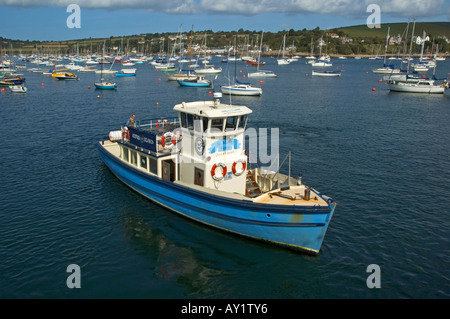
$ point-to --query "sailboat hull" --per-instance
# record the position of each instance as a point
(239, 90)
(414, 88)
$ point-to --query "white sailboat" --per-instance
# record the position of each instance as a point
(324, 60)
(386, 69)
(422, 66)
(102, 84)
(283, 60)
(261, 73)
(240, 88)
(418, 86)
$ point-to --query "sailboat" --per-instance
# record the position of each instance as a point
(422, 66)
(324, 60)
(104, 85)
(283, 60)
(407, 83)
(199, 80)
(240, 88)
(261, 73)
(418, 86)
(386, 69)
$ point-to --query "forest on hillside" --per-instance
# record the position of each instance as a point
(340, 41)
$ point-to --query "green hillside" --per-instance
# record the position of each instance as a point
(433, 29)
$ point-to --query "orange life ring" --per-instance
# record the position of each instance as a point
(242, 170)
(213, 171)
(170, 137)
(126, 134)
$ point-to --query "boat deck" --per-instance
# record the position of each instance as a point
(294, 196)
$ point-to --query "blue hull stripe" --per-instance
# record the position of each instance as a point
(294, 226)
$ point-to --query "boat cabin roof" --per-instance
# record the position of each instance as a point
(211, 109)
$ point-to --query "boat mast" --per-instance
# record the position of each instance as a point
(386, 46)
(423, 45)
(190, 51)
(259, 53)
(410, 47)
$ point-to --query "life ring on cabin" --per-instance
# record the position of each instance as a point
(243, 166)
(213, 171)
(169, 136)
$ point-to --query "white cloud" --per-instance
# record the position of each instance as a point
(397, 8)
(411, 8)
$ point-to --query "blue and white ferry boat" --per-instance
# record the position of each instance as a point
(196, 165)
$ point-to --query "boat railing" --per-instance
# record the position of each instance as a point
(157, 123)
(269, 179)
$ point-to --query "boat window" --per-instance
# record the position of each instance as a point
(197, 124)
(153, 165)
(231, 123)
(190, 121)
(183, 119)
(242, 121)
(144, 162)
(125, 154)
(205, 123)
(217, 124)
(133, 157)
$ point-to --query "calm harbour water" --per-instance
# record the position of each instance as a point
(382, 156)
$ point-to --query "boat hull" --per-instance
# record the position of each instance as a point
(193, 84)
(125, 74)
(105, 86)
(300, 228)
(399, 87)
(239, 91)
(262, 74)
(326, 73)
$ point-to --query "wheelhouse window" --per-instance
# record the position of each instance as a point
(216, 124)
(197, 123)
(190, 121)
(242, 121)
(231, 122)
(205, 123)
(183, 117)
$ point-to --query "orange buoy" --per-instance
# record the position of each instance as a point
(373, 89)
(3, 89)
(89, 86)
(261, 82)
(42, 84)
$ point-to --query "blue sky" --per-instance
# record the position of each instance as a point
(46, 19)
